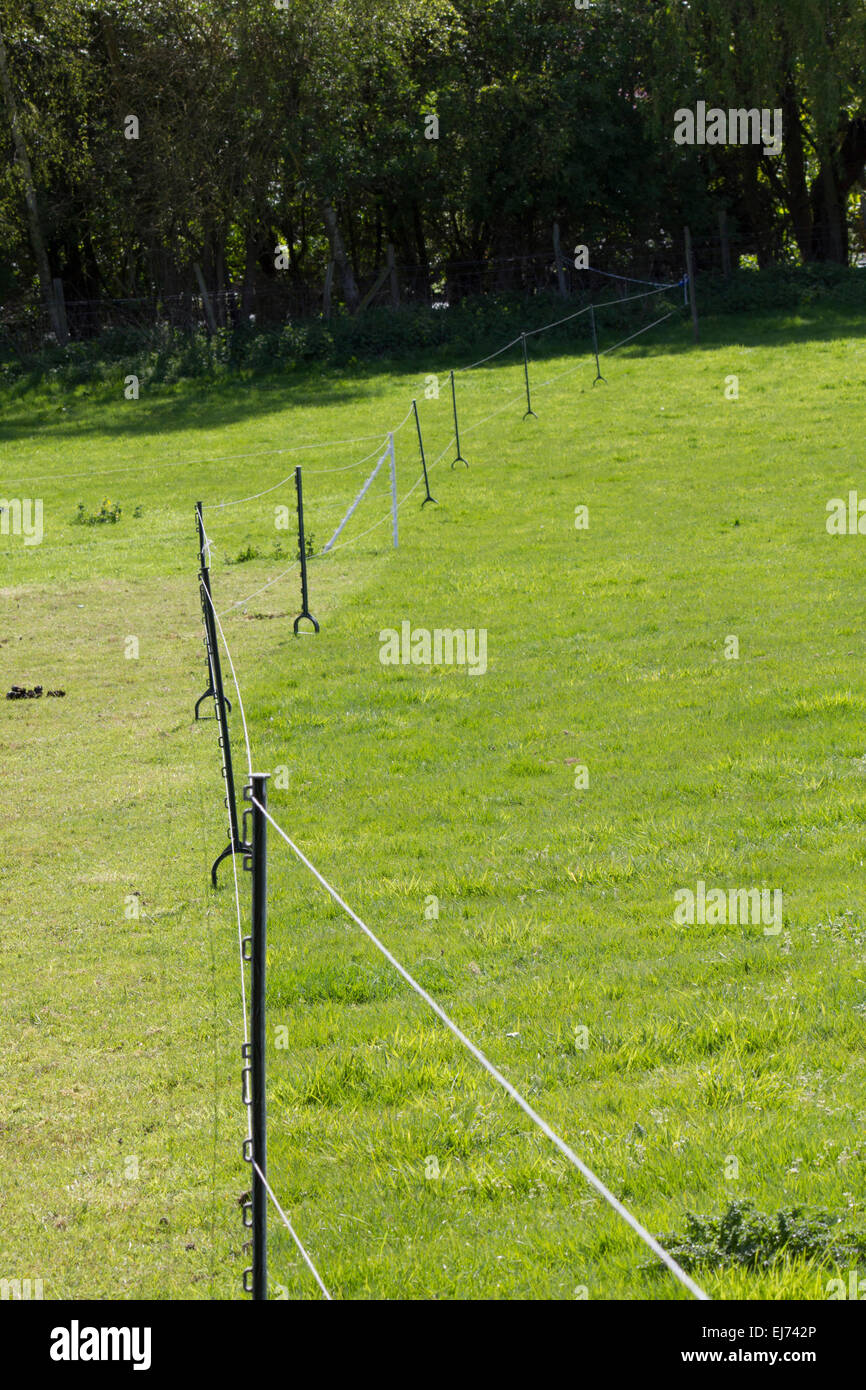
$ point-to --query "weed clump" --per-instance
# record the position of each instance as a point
(760, 1240)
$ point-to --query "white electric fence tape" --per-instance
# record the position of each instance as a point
(394, 503)
(357, 502)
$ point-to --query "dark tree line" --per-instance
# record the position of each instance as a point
(150, 144)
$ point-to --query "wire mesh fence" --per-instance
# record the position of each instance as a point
(268, 301)
(271, 301)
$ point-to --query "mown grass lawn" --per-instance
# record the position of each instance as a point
(720, 1063)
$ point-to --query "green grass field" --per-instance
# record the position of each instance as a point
(406, 1171)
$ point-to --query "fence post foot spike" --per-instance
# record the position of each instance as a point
(208, 695)
(429, 497)
(529, 411)
(302, 556)
(595, 353)
(459, 458)
(236, 848)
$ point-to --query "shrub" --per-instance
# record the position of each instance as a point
(108, 512)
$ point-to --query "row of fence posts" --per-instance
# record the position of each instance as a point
(302, 543)
(215, 683)
(254, 851)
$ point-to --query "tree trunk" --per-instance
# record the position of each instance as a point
(840, 171)
(799, 204)
(37, 239)
(830, 231)
(338, 254)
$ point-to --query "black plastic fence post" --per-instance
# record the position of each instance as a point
(598, 376)
(529, 411)
(257, 861)
(429, 497)
(459, 458)
(302, 552)
(234, 846)
(205, 574)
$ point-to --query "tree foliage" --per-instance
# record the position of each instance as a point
(305, 123)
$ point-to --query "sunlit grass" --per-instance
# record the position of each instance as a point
(407, 1173)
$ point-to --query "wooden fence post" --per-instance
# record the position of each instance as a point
(560, 269)
(60, 311)
(726, 244)
(392, 272)
(326, 295)
(205, 298)
(690, 271)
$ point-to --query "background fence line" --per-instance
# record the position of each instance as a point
(283, 297)
(330, 547)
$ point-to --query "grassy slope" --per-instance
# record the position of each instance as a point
(121, 1037)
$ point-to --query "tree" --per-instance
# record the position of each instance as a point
(804, 57)
(37, 237)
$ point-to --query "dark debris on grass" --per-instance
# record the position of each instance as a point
(21, 692)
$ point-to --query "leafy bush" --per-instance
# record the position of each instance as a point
(758, 1240)
(783, 287)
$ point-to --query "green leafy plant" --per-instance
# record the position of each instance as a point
(252, 552)
(249, 552)
(759, 1240)
(108, 512)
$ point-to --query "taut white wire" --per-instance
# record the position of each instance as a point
(292, 1232)
(488, 1066)
(576, 315)
(498, 411)
(630, 280)
(569, 371)
(605, 304)
(196, 463)
(636, 335)
(344, 468)
(482, 360)
(241, 601)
